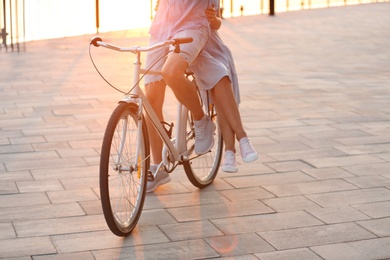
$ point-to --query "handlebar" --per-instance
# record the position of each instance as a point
(97, 41)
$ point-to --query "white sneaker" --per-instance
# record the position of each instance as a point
(248, 153)
(229, 162)
(204, 135)
(156, 179)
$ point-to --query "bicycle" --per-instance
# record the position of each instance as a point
(125, 155)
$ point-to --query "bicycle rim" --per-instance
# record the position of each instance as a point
(123, 174)
(202, 170)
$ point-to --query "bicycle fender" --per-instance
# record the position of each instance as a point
(129, 99)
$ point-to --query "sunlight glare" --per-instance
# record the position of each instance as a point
(126, 15)
(47, 19)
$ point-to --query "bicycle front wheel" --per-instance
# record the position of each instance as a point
(124, 163)
(201, 170)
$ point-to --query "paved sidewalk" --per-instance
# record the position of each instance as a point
(315, 88)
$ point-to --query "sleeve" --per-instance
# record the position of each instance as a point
(215, 3)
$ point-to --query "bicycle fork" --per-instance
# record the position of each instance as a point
(137, 102)
(122, 142)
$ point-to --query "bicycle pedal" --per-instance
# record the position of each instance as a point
(169, 130)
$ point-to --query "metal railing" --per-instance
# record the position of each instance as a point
(232, 8)
(12, 25)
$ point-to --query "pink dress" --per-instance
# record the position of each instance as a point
(214, 62)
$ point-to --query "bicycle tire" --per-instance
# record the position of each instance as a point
(201, 170)
(123, 181)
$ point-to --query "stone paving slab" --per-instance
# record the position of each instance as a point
(315, 102)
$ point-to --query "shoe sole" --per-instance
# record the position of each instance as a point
(250, 159)
(161, 182)
(230, 170)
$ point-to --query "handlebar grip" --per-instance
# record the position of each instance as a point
(95, 40)
(183, 40)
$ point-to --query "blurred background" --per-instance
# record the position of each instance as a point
(28, 20)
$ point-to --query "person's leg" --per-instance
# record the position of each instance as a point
(226, 130)
(176, 64)
(155, 93)
(229, 161)
(225, 102)
(174, 75)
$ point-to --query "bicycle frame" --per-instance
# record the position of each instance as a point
(125, 163)
(176, 146)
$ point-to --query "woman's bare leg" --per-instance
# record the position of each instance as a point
(227, 131)
(155, 93)
(226, 105)
(173, 73)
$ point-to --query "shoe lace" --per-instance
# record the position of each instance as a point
(199, 132)
(246, 147)
(229, 159)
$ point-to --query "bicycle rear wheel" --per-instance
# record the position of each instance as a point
(201, 170)
(123, 169)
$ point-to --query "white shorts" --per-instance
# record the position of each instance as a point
(189, 51)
